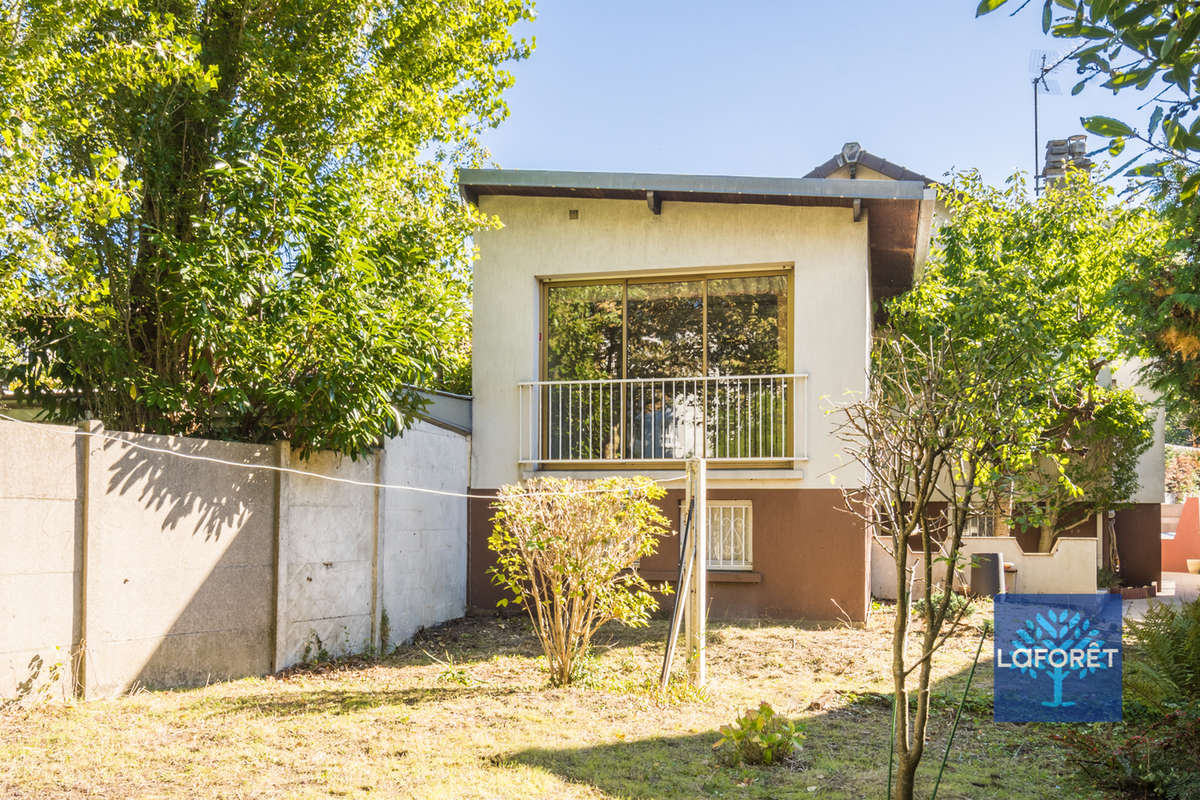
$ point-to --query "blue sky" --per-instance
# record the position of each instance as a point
(775, 88)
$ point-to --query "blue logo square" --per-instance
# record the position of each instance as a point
(1057, 658)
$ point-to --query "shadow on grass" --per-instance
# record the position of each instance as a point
(473, 640)
(845, 755)
(327, 701)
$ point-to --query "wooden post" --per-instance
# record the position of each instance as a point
(697, 590)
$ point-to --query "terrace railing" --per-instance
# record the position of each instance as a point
(748, 419)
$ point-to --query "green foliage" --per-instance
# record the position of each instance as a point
(451, 671)
(566, 550)
(760, 736)
(1107, 579)
(1033, 288)
(1155, 752)
(1133, 44)
(959, 604)
(1157, 760)
(1162, 662)
(1178, 431)
(235, 221)
(1182, 477)
(1165, 291)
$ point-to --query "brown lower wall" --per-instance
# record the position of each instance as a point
(1139, 543)
(810, 557)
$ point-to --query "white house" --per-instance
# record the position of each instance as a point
(628, 321)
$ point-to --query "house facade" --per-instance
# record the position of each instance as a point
(626, 322)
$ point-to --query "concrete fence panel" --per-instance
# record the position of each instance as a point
(327, 555)
(180, 562)
(40, 557)
(424, 545)
(133, 560)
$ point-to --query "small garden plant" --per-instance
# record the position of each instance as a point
(566, 550)
(760, 736)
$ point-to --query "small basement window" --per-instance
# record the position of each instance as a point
(730, 534)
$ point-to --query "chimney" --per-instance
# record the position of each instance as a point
(1064, 154)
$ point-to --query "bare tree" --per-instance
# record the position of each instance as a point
(921, 436)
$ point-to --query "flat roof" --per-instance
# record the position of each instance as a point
(898, 223)
(697, 188)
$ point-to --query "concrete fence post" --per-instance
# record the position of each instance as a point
(283, 458)
(91, 491)
(377, 643)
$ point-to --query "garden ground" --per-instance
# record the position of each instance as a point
(464, 712)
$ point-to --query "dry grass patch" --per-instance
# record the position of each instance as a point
(476, 720)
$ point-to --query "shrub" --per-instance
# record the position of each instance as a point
(960, 604)
(1160, 761)
(1182, 477)
(1162, 663)
(1156, 752)
(566, 549)
(760, 736)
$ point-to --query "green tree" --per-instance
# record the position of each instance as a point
(235, 220)
(1133, 44)
(1041, 279)
(1150, 47)
(984, 384)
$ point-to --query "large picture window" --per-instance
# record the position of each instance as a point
(691, 327)
(658, 369)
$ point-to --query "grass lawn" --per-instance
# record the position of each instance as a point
(483, 724)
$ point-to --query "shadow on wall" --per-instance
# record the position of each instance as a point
(180, 563)
(165, 488)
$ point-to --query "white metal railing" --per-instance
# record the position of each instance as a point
(726, 418)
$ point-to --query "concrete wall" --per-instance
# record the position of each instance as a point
(124, 566)
(40, 557)
(828, 249)
(179, 563)
(328, 540)
(424, 552)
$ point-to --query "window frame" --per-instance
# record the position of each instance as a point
(748, 564)
(704, 275)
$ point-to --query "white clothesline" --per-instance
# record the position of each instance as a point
(305, 473)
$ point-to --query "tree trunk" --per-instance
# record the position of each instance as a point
(906, 771)
(1046, 539)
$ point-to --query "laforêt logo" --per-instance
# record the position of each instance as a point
(1058, 658)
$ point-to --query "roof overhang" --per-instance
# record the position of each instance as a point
(898, 210)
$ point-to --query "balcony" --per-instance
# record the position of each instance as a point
(734, 420)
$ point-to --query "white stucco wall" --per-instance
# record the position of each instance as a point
(828, 249)
(1152, 463)
(423, 554)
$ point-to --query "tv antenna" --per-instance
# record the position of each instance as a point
(1041, 64)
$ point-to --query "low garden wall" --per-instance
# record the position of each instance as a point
(1070, 568)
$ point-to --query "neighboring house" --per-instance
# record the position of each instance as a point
(624, 322)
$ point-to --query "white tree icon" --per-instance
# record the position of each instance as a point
(1052, 633)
